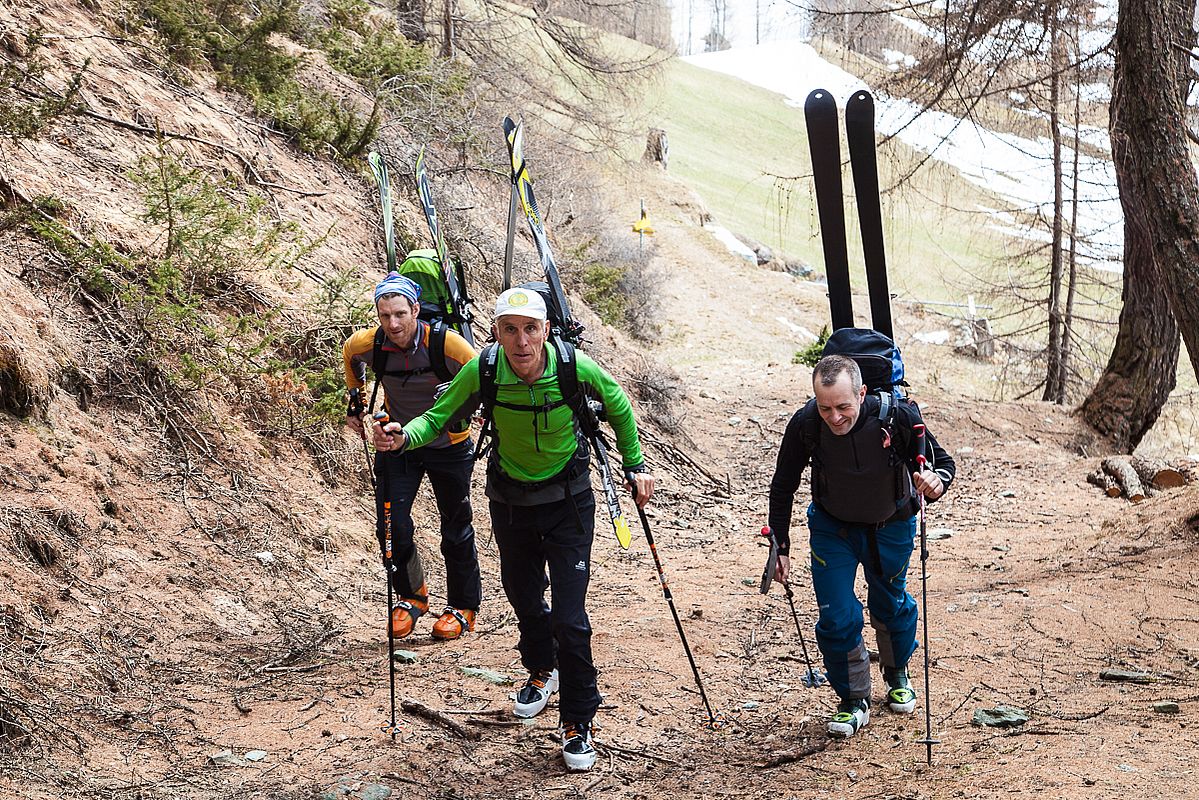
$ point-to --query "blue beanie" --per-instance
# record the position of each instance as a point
(395, 283)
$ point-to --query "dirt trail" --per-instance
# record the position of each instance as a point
(1039, 586)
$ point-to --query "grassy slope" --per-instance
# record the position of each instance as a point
(727, 140)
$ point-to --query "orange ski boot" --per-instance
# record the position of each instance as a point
(406, 612)
(453, 623)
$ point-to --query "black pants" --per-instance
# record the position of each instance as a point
(399, 476)
(557, 535)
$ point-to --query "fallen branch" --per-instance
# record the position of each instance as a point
(495, 723)
(423, 711)
(1121, 469)
(625, 751)
(1105, 482)
(673, 452)
(791, 756)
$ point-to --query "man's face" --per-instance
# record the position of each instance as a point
(398, 319)
(839, 404)
(523, 340)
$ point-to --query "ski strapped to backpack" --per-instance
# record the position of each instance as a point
(859, 132)
(458, 305)
(824, 142)
(567, 327)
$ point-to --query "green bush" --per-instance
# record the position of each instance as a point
(25, 108)
(812, 354)
(233, 38)
(601, 290)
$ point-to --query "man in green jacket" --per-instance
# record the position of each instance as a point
(542, 505)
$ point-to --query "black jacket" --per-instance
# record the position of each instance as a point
(839, 487)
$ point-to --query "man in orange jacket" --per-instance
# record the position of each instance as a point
(411, 361)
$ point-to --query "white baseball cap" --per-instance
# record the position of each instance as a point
(520, 302)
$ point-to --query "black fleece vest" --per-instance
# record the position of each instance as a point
(858, 477)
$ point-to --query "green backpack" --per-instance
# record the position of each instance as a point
(422, 267)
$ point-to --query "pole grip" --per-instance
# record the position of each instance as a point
(921, 444)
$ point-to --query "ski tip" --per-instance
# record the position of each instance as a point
(509, 125)
(818, 97)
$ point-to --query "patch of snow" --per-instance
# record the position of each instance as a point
(932, 337)
(734, 245)
(895, 59)
(1017, 168)
(1095, 93)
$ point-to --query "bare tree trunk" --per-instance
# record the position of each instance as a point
(410, 19)
(447, 30)
(1072, 263)
(1055, 389)
(1160, 198)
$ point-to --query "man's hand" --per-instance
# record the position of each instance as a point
(355, 426)
(782, 569)
(644, 486)
(389, 437)
(929, 484)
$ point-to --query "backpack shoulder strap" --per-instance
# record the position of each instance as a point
(487, 372)
(568, 385)
(886, 409)
(437, 351)
(810, 432)
(378, 354)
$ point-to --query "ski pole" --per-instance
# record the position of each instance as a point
(356, 410)
(928, 741)
(713, 722)
(381, 418)
(812, 679)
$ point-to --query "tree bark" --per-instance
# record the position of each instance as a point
(1160, 197)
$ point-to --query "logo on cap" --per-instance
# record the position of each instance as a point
(518, 299)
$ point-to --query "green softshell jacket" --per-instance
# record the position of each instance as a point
(533, 447)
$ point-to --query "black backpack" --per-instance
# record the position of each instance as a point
(437, 363)
(568, 385)
(881, 364)
(880, 361)
(587, 410)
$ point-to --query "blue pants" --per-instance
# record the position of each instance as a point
(398, 477)
(837, 550)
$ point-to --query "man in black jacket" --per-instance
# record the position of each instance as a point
(865, 475)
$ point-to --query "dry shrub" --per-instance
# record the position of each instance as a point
(659, 390)
(23, 390)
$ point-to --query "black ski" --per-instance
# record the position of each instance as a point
(459, 313)
(859, 130)
(514, 133)
(824, 141)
